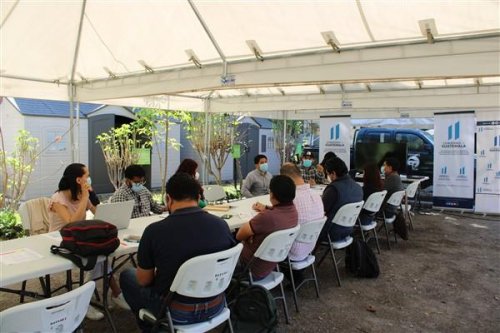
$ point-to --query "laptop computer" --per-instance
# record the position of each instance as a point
(117, 213)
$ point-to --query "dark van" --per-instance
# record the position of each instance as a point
(419, 145)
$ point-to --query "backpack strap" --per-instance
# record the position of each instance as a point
(77, 260)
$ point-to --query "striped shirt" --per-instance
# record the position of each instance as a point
(144, 203)
(310, 208)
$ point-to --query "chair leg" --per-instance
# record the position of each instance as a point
(361, 230)
(376, 239)
(23, 289)
(332, 251)
(285, 307)
(411, 220)
(395, 236)
(294, 291)
(387, 234)
(315, 280)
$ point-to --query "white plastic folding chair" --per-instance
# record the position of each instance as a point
(308, 234)
(371, 208)
(346, 216)
(394, 200)
(214, 193)
(62, 313)
(411, 192)
(200, 277)
(275, 248)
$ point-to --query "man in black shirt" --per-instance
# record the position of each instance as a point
(186, 233)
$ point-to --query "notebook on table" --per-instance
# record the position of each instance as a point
(117, 213)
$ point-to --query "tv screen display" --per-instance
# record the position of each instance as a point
(378, 152)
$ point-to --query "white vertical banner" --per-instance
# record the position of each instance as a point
(488, 167)
(335, 136)
(454, 160)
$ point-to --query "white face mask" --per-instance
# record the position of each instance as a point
(196, 175)
(89, 181)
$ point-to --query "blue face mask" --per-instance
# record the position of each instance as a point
(307, 163)
(137, 187)
(263, 167)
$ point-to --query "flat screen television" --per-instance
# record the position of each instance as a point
(378, 152)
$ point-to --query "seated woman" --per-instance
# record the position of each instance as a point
(372, 182)
(69, 204)
(190, 167)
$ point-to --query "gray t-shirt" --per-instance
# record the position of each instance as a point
(256, 183)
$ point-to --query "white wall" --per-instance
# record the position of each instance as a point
(173, 158)
(273, 159)
(56, 156)
(11, 121)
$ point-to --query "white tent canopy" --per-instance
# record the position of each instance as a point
(252, 56)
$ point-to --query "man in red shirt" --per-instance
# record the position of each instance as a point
(282, 215)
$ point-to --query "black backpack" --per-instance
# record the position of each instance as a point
(254, 311)
(361, 261)
(88, 239)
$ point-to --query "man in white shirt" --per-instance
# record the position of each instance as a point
(309, 207)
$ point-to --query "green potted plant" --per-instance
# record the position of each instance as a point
(10, 224)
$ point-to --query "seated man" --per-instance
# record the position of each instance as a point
(309, 172)
(133, 189)
(342, 190)
(257, 181)
(282, 215)
(187, 232)
(392, 183)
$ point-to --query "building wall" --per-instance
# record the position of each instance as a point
(11, 121)
(56, 155)
(187, 151)
(173, 158)
(273, 159)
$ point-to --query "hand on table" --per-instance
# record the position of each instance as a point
(259, 207)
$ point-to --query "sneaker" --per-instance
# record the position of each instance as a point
(120, 302)
(94, 314)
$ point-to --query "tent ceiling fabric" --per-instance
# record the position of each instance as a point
(130, 49)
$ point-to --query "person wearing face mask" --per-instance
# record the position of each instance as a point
(342, 190)
(309, 173)
(257, 181)
(187, 232)
(69, 204)
(392, 183)
(133, 189)
(190, 167)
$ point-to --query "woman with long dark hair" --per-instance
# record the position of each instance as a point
(190, 167)
(372, 182)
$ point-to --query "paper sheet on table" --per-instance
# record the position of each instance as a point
(54, 235)
(18, 256)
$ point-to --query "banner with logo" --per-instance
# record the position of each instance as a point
(335, 136)
(488, 167)
(454, 160)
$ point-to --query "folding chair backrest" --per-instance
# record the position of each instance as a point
(276, 246)
(206, 275)
(348, 214)
(309, 232)
(62, 313)
(411, 189)
(35, 215)
(214, 193)
(396, 198)
(374, 201)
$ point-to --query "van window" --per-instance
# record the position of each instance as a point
(377, 137)
(413, 142)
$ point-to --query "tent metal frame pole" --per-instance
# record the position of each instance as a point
(285, 116)
(72, 90)
(206, 106)
(210, 36)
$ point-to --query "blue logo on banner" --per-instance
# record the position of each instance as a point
(489, 166)
(454, 129)
(335, 132)
(496, 141)
(444, 170)
(482, 152)
(462, 171)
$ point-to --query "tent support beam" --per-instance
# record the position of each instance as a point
(210, 35)
(75, 155)
(478, 58)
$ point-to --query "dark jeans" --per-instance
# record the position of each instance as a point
(366, 217)
(139, 297)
